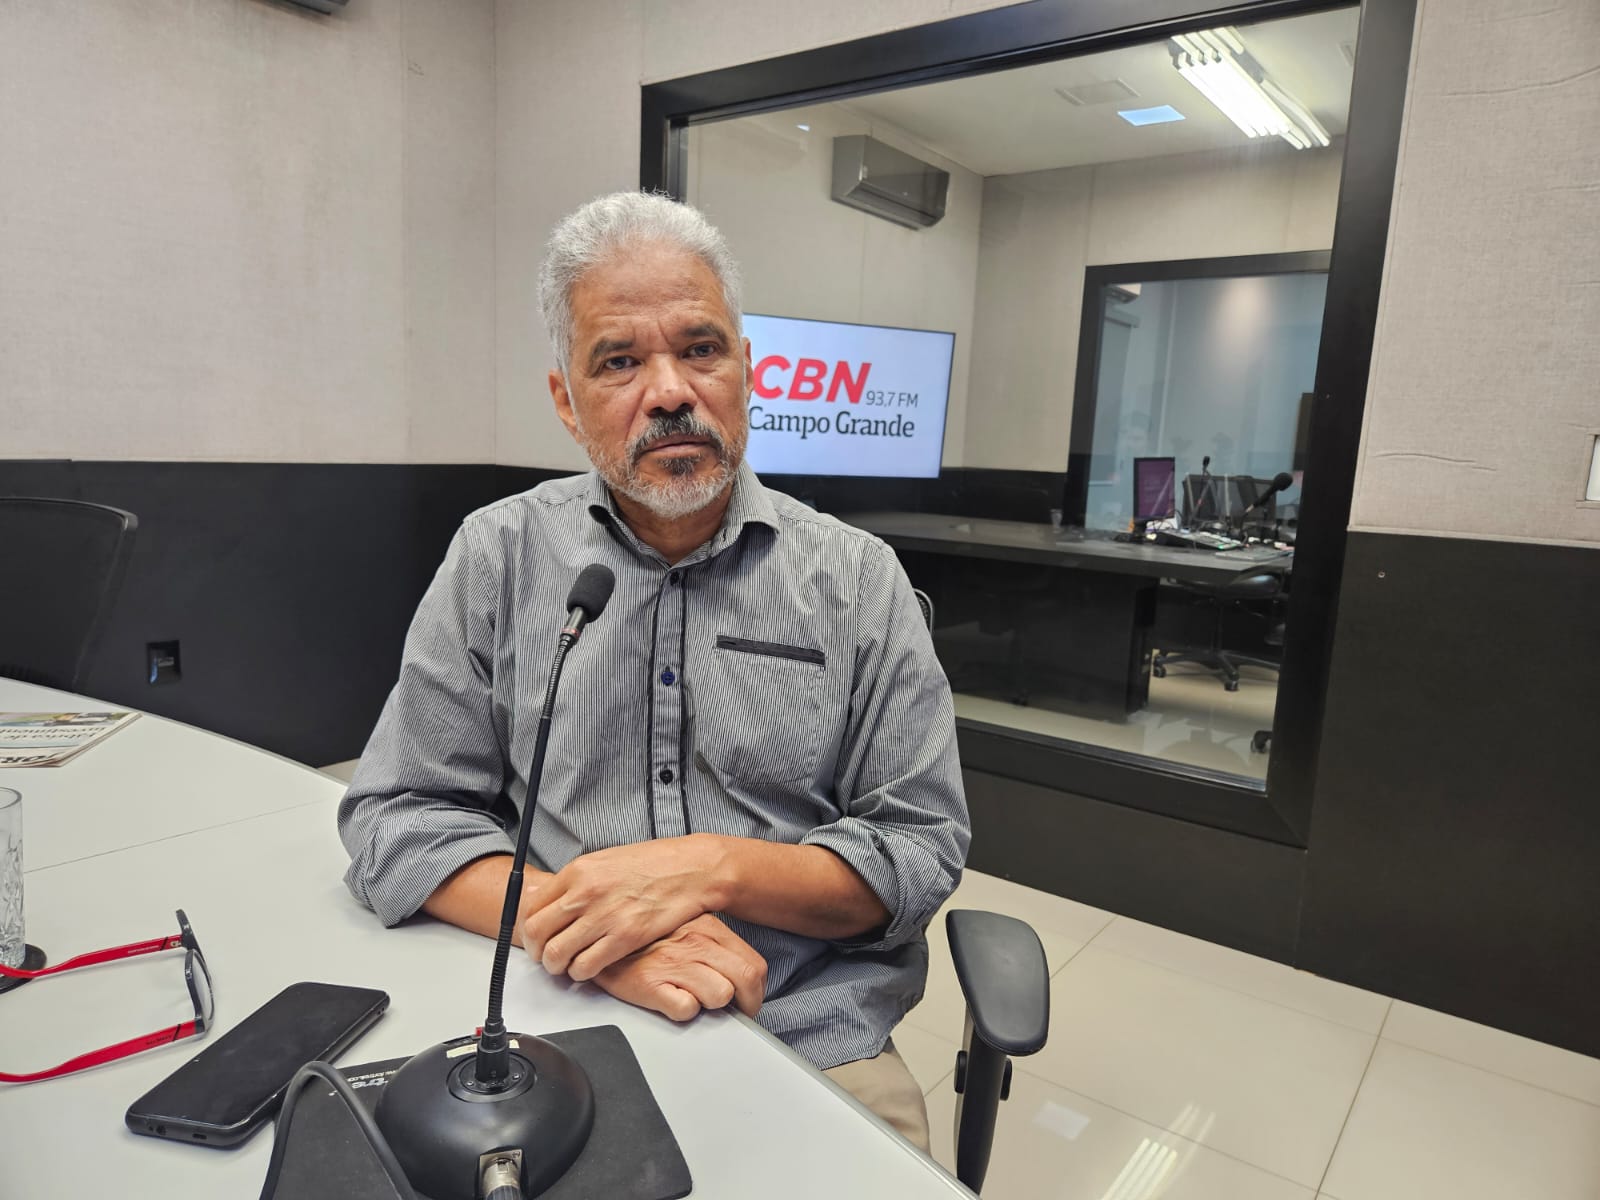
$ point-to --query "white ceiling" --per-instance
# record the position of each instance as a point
(1013, 121)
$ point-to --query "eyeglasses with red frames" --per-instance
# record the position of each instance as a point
(194, 973)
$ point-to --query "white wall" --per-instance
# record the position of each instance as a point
(233, 231)
(567, 79)
(1041, 229)
(1485, 390)
(685, 37)
(766, 184)
(566, 130)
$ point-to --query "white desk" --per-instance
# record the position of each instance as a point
(265, 897)
(152, 780)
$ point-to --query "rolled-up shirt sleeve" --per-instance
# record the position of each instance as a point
(905, 828)
(421, 804)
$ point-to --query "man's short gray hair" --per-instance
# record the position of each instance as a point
(607, 226)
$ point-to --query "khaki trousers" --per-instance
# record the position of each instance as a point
(885, 1085)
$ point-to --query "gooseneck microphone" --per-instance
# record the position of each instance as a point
(585, 602)
(1281, 482)
(516, 1107)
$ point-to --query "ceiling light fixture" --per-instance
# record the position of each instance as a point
(1159, 115)
(1216, 63)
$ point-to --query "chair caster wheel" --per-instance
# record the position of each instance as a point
(1231, 685)
(1259, 742)
(1159, 671)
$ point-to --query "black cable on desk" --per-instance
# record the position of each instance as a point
(369, 1129)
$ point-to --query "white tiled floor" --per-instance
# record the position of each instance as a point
(1186, 1071)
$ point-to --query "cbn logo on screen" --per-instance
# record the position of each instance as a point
(809, 376)
(830, 398)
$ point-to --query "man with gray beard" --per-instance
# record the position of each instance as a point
(752, 796)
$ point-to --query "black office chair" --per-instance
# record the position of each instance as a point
(1001, 967)
(67, 562)
(1261, 742)
(1250, 587)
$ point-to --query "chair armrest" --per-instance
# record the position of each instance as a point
(1000, 963)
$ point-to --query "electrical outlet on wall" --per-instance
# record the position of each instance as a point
(162, 664)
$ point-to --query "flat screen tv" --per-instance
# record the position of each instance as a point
(829, 398)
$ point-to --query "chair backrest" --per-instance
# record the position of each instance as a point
(925, 603)
(65, 560)
(1254, 583)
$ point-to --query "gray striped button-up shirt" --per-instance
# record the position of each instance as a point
(778, 683)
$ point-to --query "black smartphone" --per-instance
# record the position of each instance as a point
(234, 1086)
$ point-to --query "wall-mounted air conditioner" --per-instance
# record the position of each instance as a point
(888, 183)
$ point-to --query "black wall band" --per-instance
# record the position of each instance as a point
(290, 586)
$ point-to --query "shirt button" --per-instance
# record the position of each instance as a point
(666, 775)
(668, 678)
(675, 577)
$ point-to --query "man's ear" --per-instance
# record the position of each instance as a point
(749, 371)
(563, 399)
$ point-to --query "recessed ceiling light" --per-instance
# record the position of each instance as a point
(1159, 115)
(803, 128)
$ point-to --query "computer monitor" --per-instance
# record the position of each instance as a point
(1244, 491)
(1202, 500)
(1225, 499)
(1154, 489)
(1267, 513)
(1302, 432)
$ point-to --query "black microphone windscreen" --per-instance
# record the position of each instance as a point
(1282, 480)
(592, 590)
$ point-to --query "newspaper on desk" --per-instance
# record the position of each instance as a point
(34, 739)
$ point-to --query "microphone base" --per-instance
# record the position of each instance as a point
(439, 1127)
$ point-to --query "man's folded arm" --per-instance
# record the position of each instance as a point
(896, 853)
(905, 829)
(420, 806)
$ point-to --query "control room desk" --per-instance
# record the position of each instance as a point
(1090, 628)
(264, 894)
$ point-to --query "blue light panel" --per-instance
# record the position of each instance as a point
(1159, 115)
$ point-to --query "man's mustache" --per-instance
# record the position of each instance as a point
(682, 423)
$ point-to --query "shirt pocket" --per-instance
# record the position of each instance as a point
(758, 710)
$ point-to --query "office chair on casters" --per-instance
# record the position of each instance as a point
(68, 559)
(1261, 741)
(1001, 967)
(1251, 584)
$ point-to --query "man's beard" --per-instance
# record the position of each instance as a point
(686, 491)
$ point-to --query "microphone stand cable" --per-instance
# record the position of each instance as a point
(363, 1119)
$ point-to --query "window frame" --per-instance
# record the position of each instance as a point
(1086, 385)
(1047, 30)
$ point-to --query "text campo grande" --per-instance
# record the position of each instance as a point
(846, 423)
